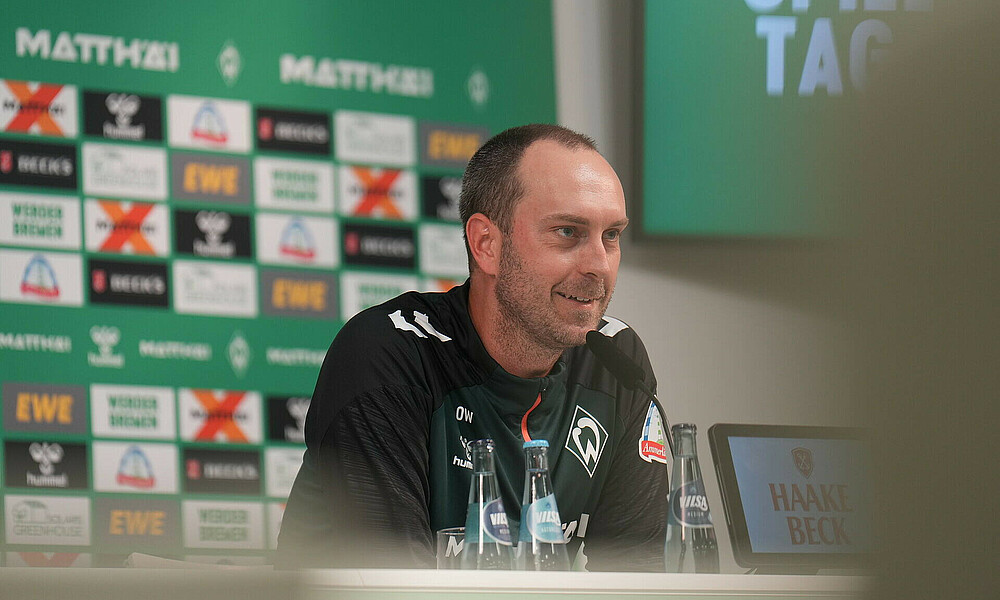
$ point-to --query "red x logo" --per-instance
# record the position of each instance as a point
(376, 190)
(126, 227)
(34, 108)
(58, 559)
(220, 415)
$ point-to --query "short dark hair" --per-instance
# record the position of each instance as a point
(490, 184)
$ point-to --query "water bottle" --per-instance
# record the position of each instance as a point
(487, 534)
(690, 545)
(541, 545)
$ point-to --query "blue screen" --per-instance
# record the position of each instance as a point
(804, 495)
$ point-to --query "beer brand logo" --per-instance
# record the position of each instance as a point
(378, 193)
(38, 108)
(46, 165)
(220, 416)
(293, 131)
(105, 338)
(126, 227)
(222, 471)
(229, 63)
(142, 284)
(379, 246)
(803, 459)
(587, 439)
(652, 442)
(449, 145)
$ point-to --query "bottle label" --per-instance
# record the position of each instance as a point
(541, 518)
(689, 505)
(493, 523)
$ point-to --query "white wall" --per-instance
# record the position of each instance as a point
(740, 332)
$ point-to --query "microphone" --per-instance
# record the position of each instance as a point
(627, 372)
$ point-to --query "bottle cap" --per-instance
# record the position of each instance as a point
(536, 444)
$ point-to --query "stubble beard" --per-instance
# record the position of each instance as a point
(528, 320)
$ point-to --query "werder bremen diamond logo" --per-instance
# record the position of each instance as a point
(238, 352)
(230, 64)
(478, 86)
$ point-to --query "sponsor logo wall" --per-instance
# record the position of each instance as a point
(181, 240)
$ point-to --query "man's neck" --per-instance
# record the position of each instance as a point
(507, 343)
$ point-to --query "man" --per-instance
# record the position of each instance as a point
(407, 385)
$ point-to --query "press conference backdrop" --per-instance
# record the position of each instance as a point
(743, 101)
(194, 196)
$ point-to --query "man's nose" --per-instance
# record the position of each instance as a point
(595, 259)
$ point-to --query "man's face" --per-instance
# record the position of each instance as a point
(559, 264)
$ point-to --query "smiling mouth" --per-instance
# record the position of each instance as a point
(576, 298)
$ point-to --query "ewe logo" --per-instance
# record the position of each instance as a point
(106, 338)
(587, 439)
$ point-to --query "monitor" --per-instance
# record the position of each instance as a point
(796, 498)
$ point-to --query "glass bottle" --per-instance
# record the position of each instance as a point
(541, 545)
(487, 534)
(690, 546)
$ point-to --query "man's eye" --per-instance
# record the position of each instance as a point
(566, 231)
(612, 234)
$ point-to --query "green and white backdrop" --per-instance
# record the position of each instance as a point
(194, 196)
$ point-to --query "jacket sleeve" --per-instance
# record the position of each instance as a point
(361, 496)
(628, 526)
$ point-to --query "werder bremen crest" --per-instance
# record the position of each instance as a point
(238, 352)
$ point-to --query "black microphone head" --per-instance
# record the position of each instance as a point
(620, 364)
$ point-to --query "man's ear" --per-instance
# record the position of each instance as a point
(484, 243)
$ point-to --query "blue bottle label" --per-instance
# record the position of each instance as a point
(492, 521)
(540, 520)
(689, 505)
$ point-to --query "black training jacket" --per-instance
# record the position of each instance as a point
(404, 389)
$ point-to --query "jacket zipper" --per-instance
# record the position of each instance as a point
(524, 418)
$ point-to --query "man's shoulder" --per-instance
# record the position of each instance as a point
(404, 321)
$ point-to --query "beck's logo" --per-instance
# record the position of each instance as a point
(803, 458)
(221, 471)
(379, 246)
(136, 283)
(38, 108)
(587, 439)
(293, 131)
(46, 165)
